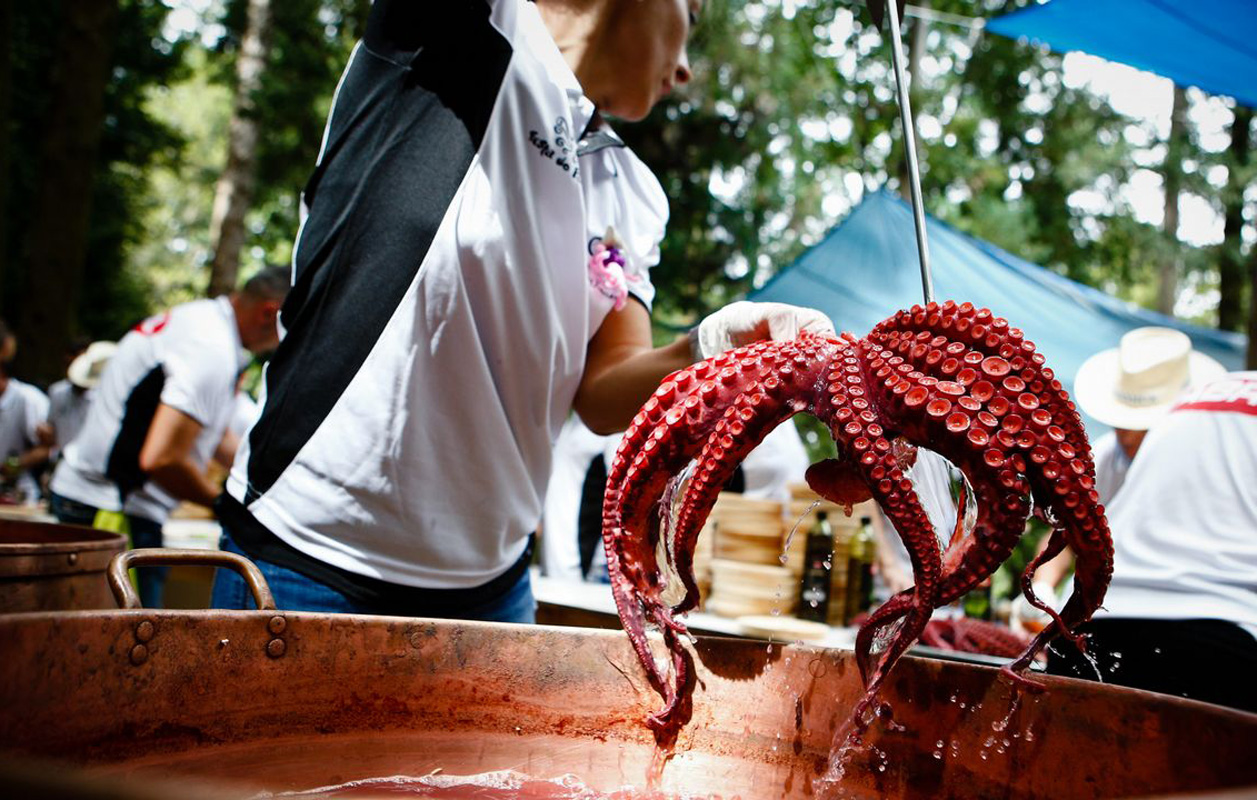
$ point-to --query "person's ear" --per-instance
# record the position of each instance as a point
(270, 311)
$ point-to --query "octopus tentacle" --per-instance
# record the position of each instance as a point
(780, 379)
(951, 377)
(1056, 544)
(742, 433)
(680, 420)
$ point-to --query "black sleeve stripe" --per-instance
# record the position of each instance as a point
(401, 142)
(123, 465)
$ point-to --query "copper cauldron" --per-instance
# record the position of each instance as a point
(50, 567)
(280, 701)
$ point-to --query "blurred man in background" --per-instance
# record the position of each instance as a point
(161, 412)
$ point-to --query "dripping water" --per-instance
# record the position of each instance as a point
(785, 547)
(671, 590)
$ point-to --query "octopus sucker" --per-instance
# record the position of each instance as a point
(950, 377)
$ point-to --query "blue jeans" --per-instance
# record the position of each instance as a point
(295, 592)
(143, 533)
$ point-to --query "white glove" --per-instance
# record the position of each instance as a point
(744, 322)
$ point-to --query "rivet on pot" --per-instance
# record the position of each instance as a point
(139, 654)
(144, 631)
(275, 648)
(277, 625)
(73, 558)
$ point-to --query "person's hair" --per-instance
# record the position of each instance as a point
(272, 283)
(6, 336)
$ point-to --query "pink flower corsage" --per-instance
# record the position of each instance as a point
(606, 269)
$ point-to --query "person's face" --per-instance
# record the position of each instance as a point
(1130, 440)
(260, 334)
(644, 58)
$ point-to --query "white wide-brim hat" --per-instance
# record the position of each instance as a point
(85, 370)
(1130, 386)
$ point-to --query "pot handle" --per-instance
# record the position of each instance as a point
(126, 596)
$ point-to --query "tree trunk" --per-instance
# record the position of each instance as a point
(1230, 258)
(234, 193)
(6, 77)
(56, 242)
(1172, 171)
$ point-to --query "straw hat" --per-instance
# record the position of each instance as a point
(84, 371)
(1131, 385)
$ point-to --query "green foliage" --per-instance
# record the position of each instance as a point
(790, 118)
(132, 143)
(176, 250)
(310, 42)
(730, 152)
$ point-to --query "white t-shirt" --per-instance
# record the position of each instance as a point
(1185, 523)
(574, 451)
(187, 358)
(1111, 463)
(409, 417)
(23, 408)
(67, 411)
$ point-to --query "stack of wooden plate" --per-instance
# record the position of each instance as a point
(702, 560)
(739, 589)
(747, 530)
(746, 572)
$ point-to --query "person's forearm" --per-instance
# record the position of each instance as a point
(610, 397)
(225, 453)
(185, 482)
(34, 457)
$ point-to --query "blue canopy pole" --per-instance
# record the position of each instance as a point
(910, 150)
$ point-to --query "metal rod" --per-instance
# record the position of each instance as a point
(910, 149)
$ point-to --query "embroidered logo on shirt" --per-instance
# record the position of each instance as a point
(606, 268)
(560, 149)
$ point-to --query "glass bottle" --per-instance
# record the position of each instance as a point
(817, 565)
(860, 569)
(9, 486)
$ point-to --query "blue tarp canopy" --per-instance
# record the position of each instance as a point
(866, 268)
(1209, 44)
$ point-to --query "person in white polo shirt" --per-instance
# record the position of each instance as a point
(1180, 615)
(160, 413)
(70, 397)
(474, 266)
(24, 443)
(1128, 387)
